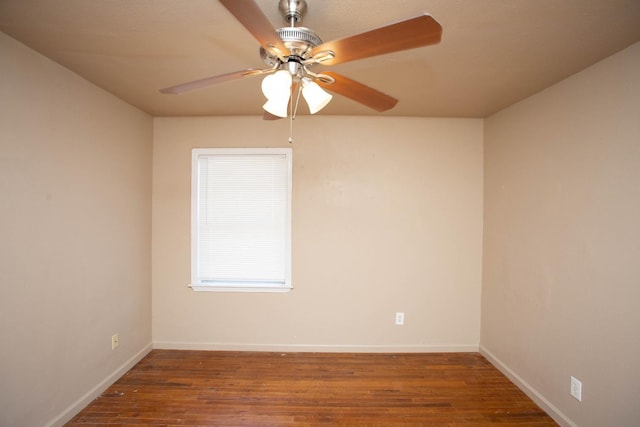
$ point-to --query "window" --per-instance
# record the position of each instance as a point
(241, 219)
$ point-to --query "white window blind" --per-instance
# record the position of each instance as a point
(241, 219)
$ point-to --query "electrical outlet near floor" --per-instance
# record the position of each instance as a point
(115, 341)
(399, 318)
(576, 388)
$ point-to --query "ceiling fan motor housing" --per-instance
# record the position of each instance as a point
(298, 40)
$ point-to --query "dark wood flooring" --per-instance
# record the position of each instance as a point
(207, 388)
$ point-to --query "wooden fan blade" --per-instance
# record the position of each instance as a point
(253, 19)
(209, 81)
(358, 92)
(268, 116)
(420, 31)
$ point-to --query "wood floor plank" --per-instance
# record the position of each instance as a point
(205, 388)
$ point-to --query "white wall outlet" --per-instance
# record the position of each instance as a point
(399, 318)
(115, 341)
(576, 388)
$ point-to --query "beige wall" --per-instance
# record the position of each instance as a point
(75, 180)
(387, 216)
(561, 274)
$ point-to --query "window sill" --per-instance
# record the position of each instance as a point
(199, 287)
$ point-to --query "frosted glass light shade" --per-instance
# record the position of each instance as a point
(277, 107)
(276, 88)
(316, 97)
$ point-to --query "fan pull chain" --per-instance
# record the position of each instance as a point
(290, 129)
(293, 112)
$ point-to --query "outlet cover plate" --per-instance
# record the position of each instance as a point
(576, 388)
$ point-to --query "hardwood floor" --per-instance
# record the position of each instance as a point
(206, 388)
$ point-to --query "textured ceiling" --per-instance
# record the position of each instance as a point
(493, 52)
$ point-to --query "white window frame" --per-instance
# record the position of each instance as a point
(238, 286)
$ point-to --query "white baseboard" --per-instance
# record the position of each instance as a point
(533, 394)
(307, 348)
(81, 403)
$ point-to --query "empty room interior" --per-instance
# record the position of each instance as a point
(494, 210)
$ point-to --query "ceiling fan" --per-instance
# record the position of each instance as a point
(291, 52)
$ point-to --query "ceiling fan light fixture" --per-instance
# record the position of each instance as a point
(277, 107)
(316, 97)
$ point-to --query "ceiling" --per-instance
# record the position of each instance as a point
(493, 52)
